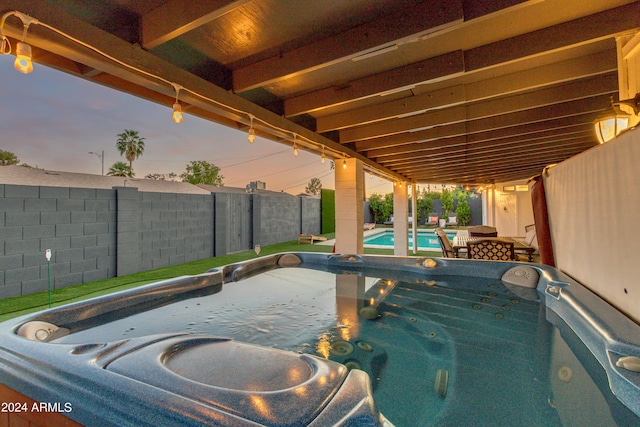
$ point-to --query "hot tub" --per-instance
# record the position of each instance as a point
(333, 340)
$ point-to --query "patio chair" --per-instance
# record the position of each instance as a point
(369, 226)
(445, 244)
(452, 221)
(432, 219)
(530, 239)
(482, 231)
(491, 249)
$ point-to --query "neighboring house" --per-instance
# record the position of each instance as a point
(19, 175)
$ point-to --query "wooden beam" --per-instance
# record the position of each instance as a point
(445, 131)
(429, 70)
(590, 65)
(498, 119)
(561, 36)
(486, 176)
(402, 27)
(422, 121)
(588, 29)
(494, 153)
(177, 17)
(430, 146)
(479, 150)
(478, 167)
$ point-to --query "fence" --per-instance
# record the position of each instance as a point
(96, 234)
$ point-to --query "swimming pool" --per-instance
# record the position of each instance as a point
(319, 339)
(427, 240)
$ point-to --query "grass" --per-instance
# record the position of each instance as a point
(17, 306)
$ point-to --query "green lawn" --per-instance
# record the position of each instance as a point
(16, 306)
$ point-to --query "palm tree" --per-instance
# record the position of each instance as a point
(120, 169)
(131, 145)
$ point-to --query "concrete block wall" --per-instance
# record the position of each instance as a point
(311, 215)
(275, 219)
(172, 229)
(96, 234)
(77, 224)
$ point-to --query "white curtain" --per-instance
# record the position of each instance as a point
(594, 215)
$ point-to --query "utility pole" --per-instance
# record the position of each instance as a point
(101, 157)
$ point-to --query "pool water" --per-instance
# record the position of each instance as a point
(426, 239)
(452, 350)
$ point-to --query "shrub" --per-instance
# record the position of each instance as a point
(463, 212)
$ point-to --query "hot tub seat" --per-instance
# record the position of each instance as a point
(265, 385)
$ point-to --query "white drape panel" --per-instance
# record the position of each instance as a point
(594, 214)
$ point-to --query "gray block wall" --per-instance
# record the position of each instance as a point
(96, 234)
(275, 219)
(77, 224)
(173, 229)
(311, 215)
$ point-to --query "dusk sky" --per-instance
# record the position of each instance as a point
(52, 120)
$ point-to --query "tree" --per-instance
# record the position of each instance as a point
(162, 176)
(425, 202)
(131, 145)
(120, 169)
(447, 202)
(202, 172)
(8, 158)
(314, 186)
(463, 212)
(381, 207)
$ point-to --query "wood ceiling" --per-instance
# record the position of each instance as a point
(434, 91)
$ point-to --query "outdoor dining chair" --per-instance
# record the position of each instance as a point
(445, 244)
(491, 249)
(482, 231)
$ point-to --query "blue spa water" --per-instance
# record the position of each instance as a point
(426, 239)
(492, 344)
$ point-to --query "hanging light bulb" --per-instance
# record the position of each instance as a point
(344, 164)
(23, 51)
(323, 158)
(177, 113)
(295, 150)
(252, 132)
(23, 58)
(177, 108)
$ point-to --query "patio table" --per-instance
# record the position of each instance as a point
(460, 242)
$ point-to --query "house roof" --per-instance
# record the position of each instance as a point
(19, 175)
(225, 189)
(449, 91)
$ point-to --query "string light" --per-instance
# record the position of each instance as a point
(24, 65)
(23, 50)
(177, 108)
(23, 58)
(252, 133)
